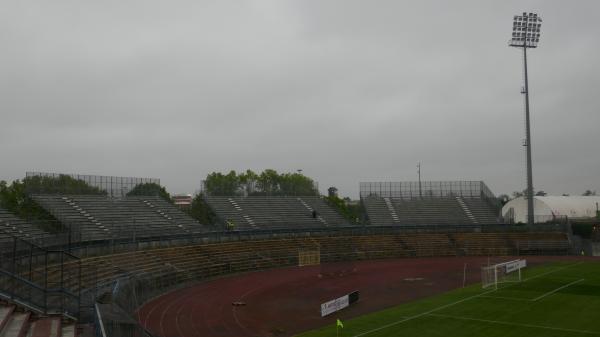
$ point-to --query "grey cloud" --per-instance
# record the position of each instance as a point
(345, 90)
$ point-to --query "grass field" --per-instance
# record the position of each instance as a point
(557, 299)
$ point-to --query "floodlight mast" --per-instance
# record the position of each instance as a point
(526, 34)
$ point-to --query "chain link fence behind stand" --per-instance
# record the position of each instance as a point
(119, 301)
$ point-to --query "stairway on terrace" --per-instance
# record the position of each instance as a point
(259, 212)
(17, 322)
(481, 210)
(100, 217)
(379, 211)
(428, 211)
(71, 214)
(171, 213)
(15, 226)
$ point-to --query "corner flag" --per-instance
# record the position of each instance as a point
(340, 324)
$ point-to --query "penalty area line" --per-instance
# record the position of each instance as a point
(589, 332)
(400, 321)
(557, 289)
(552, 271)
(422, 314)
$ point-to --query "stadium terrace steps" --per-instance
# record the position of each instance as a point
(101, 218)
(203, 261)
(18, 323)
(428, 211)
(12, 225)
(256, 212)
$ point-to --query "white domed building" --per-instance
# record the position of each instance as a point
(547, 208)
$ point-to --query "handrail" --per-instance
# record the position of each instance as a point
(99, 323)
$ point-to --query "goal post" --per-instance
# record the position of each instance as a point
(504, 272)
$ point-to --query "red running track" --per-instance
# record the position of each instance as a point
(286, 301)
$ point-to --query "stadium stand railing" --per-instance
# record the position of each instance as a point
(45, 281)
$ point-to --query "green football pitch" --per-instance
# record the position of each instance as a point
(555, 299)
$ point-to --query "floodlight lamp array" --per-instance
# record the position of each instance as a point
(526, 30)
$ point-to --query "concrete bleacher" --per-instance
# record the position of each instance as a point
(96, 217)
(259, 212)
(200, 261)
(11, 225)
(384, 211)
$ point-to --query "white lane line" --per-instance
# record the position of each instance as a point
(508, 298)
(555, 290)
(517, 324)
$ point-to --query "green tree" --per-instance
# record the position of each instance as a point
(503, 198)
(296, 184)
(153, 189)
(268, 182)
(352, 213)
(200, 211)
(219, 184)
(14, 198)
(63, 184)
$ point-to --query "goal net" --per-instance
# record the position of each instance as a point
(510, 271)
(309, 257)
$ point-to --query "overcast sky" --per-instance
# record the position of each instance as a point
(345, 90)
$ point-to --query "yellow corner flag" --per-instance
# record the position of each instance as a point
(340, 324)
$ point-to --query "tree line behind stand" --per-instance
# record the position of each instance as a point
(267, 183)
(15, 197)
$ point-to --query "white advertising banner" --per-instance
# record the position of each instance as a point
(515, 265)
(334, 305)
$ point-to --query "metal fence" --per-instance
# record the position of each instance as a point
(115, 187)
(118, 317)
(46, 281)
(426, 189)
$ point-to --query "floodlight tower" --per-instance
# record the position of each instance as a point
(526, 34)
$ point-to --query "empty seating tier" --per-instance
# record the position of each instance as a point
(200, 261)
(257, 212)
(383, 211)
(95, 217)
(10, 224)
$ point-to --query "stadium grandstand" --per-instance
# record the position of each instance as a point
(429, 203)
(96, 217)
(121, 251)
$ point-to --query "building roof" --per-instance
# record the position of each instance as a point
(580, 206)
